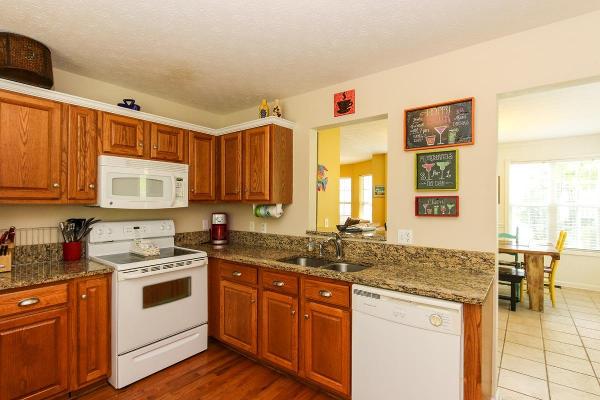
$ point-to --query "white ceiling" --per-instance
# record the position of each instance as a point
(358, 142)
(226, 55)
(552, 113)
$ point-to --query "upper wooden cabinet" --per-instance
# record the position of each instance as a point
(202, 171)
(82, 153)
(93, 330)
(167, 143)
(30, 148)
(231, 166)
(268, 165)
(123, 136)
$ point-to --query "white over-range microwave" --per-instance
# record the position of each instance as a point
(141, 184)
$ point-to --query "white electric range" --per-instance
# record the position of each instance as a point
(159, 303)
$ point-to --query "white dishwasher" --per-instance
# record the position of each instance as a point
(405, 346)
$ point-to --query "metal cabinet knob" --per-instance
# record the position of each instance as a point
(29, 302)
(141, 144)
(92, 186)
(325, 293)
(155, 147)
(293, 312)
(192, 190)
(236, 273)
(84, 296)
(305, 316)
(56, 185)
(253, 301)
(279, 283)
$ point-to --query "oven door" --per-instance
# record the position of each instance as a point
(159, 305)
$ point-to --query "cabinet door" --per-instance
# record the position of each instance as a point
(168, 143)
(202, 166)
(326, 346)
(256, 164)
(279, 330)
(93, 329)
(122, 135)
(238, 316)
(82, 153)
(30, 148)
(33, 355)
(231, 166)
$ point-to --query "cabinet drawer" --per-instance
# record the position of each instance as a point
(238, 273)
(327, 292)
(280, 282)
(27, 300)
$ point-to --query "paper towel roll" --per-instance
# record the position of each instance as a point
(268, 210)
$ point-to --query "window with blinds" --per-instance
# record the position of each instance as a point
(345, 199)
(550, 196)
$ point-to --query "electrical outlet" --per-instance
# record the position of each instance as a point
(405, 236)
(326, 222)
(204, 225)
(252, 227)
(263, 227)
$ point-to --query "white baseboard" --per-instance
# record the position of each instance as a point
(579, 285)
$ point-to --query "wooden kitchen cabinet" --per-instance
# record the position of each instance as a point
(238, 316)
(202, 173)
(279, 330)
(167, 143)
(123, 136)
(82, 152)
(34, 355)
(230, 156)
(30, 148)
(326, 346)
(268, 165)
(93, 329)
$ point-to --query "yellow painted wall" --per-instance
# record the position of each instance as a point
(328, 202)
(377, 167)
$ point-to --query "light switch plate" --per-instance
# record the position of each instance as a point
(326, 222)
(405, 236)
(204, 224)
(263, 227)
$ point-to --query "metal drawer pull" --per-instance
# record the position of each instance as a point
(236, 273)
(29, 302)
(278, 283)
(325, 293)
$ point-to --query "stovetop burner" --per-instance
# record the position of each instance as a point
(129, 258)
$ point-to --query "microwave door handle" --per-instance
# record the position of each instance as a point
(173, 192)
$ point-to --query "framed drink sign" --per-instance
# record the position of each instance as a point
(436, 206)
(436, 170)
(439, 125)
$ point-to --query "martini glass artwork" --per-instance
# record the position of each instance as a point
(450, 207)
(425, 207)
(440, 130)
(443, 165)
(428, 167)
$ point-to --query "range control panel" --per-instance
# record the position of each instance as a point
(129, 230)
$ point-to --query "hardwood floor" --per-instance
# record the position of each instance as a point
(216, 374)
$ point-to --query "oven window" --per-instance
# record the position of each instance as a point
(167, 292)
(154, 188)
(126, 187)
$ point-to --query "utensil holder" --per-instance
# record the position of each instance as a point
(72, 251)
(6, 261)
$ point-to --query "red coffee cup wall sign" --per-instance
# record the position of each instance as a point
(344, 103)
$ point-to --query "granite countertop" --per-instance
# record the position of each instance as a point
(37, 273)
(453, 283)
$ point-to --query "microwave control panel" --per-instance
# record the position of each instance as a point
(179, 187)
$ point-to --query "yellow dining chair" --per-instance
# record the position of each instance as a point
(550, 272)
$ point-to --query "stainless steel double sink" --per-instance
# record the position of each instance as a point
(322, 263)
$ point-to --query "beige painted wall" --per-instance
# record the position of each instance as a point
(484, 71)
(94, 89)
(576, 268)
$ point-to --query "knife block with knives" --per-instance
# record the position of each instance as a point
(6, 259)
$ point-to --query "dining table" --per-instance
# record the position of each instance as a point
(533, 255)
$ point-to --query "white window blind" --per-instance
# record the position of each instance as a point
(345, 199)
(366, 197)
(550, 196)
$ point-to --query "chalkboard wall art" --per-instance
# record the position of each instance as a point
(436, 206)
(439, 125)
(436, 170)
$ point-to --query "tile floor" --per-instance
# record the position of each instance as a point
(553, 355)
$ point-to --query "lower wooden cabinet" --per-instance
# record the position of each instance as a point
(326, 345)
(54, 339)
(279, 330)
(34, 355)
(238, 316)
(93, 330)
